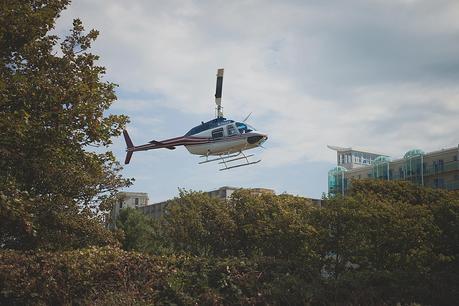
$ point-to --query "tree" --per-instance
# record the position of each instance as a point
(271, 225)
(52, 104)
(389, 242)
(199, 224)
(140, 233)
(246, 225)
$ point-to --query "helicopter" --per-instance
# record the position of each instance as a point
(221, 139)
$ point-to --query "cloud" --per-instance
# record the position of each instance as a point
(375, 74)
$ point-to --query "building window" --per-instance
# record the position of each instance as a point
(136, 201)
(121, 204)
(217, 133)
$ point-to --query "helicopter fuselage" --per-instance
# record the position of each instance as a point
(224, 137)
(216, 137)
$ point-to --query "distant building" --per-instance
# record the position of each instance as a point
(156, 210)
(438, 169)
(128, 199)
(225, 192)
(351, 158)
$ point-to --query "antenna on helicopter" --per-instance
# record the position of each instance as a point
(218, 93)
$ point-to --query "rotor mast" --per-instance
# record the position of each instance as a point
(218, 93)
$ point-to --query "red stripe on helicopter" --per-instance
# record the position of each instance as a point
(185, 140)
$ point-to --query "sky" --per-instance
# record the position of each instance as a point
(377, 74)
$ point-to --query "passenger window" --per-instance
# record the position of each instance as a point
(230, 130)
(217, 133)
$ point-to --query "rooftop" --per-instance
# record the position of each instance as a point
(357, 149)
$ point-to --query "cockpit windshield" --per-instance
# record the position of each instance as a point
(244, 128)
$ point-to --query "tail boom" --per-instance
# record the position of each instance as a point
(169, 144)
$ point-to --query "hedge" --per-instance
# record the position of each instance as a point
(108, 276)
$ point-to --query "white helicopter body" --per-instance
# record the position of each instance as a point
(220, 137)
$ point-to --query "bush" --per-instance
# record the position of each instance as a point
(81, 276)
(112, 276)
(373, 247)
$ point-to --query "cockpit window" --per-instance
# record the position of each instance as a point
(244, 128)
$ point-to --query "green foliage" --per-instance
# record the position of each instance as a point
(86, 276)
(110, 276)
(270, 225)
(386, 242)
(200, 225)
(52, 104)
(246, 225)
(368, 248)
(140, 233)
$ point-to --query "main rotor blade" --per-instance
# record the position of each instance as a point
(218, 92)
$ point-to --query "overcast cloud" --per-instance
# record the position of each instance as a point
(376, 74)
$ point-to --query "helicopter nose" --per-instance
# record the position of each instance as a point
(257, 139)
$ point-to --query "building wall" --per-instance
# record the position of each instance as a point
(225, 192)
(154, 210)
(439, 169)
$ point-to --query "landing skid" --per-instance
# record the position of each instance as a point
(240, 165)
(215, 159)
(227, 159)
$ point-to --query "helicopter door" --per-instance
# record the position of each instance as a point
(217, 133)
(231, 130)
